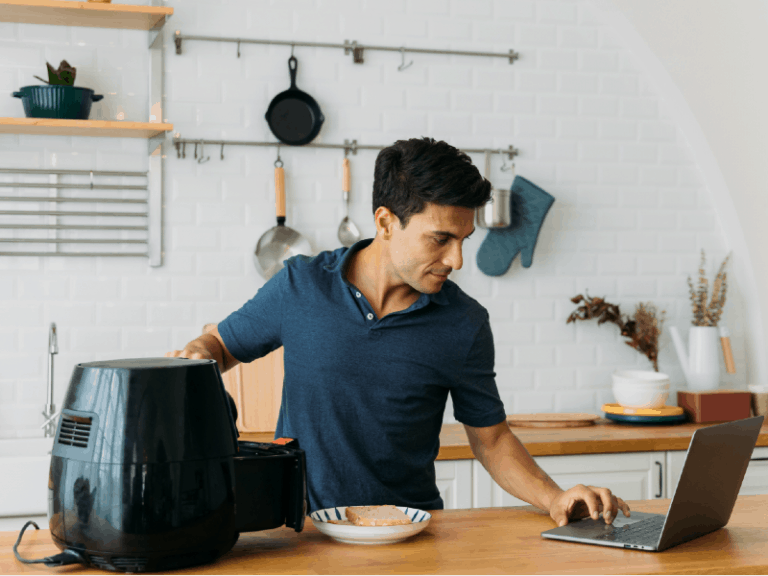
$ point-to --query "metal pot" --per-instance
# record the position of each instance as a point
(496, 213)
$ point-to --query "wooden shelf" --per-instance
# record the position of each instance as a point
(99, 128)
(93, 14)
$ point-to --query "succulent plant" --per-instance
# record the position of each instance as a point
(63, 76)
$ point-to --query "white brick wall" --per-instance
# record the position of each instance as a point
(631, 213)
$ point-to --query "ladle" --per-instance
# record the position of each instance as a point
(348, 232)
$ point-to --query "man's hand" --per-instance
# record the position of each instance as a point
(584, 501)
(209, 346)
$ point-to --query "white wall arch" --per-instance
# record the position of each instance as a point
(678, 45)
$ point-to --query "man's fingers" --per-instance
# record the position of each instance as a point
(624, 507)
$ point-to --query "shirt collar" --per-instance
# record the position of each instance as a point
(343, 261)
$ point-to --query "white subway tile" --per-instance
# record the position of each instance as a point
(641, 287)
(96, 340)
(621, 355)
(555, 332)
(616, 264)
(533, 402)
(657, 265)
(576, 354)
(555, 379)
(146, 289)
(583, 401)
(536, 355)
(677, 242)
(111, 314)
(18, 314)
(658, 220)
(557, 13)
(539, 309)
(194, 289)
(621, 84)
(618, 130)
(515, 10)
(594, 378)
(530, 36)
(505, 332)
(578, 37)
(578, 83)
(598, 61)
(153, 341)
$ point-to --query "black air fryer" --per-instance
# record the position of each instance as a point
(147, 473)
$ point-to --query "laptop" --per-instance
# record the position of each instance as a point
(714, 468)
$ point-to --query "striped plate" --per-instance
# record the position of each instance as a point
(368, 534)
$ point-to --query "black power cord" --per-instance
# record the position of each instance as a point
(68, 556)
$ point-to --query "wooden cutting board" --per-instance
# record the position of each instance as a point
(564, 420)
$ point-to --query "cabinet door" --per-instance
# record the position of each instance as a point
(755, 480)
(454, 480)
(630, 476)
(257, 388)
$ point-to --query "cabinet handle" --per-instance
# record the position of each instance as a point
(661, 480)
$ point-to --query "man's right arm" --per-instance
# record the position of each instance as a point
(208, 346)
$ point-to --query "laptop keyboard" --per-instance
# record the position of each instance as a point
(645, 532)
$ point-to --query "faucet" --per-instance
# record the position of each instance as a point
(49, 410)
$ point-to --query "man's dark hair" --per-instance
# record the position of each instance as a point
(412, 172)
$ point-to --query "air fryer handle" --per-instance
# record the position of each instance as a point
(296, 504)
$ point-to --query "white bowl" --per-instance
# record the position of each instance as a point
(642, 385)
(640, 397)
(351, 534)
(645, 376)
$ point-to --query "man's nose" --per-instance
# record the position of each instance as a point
(454, 258)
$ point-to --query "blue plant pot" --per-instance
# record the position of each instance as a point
(64, 102)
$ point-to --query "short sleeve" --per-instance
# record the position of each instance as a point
(254, 330)
(475, 397)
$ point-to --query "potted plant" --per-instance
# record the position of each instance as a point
(59, 98)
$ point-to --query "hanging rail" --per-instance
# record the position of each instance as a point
(54, 226)
(353, 47)
(348, 146)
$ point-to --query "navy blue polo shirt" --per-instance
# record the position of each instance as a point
(365, 396)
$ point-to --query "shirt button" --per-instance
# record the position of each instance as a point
(370, 316)
(358, 294)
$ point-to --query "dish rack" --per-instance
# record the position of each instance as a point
(80, 213)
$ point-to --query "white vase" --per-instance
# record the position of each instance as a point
(701, 363)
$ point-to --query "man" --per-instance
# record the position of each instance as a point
(375, 337)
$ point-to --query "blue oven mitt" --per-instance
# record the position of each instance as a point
(529, 205)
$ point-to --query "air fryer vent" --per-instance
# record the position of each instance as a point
(129, 563)
(75, 431)
(123, 563)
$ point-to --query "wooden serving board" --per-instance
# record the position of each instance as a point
(564, 420)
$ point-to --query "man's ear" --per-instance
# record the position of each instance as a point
(385, 222)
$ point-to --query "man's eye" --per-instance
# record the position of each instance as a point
(441, 241)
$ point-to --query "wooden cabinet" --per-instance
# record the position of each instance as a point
(257, 389)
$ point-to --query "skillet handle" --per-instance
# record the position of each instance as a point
(280, 194)
(345, 177)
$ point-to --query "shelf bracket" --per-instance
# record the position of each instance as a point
(357, 51)
(177, 40)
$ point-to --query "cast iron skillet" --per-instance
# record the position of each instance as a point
(293, 116)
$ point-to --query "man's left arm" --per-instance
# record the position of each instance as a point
(512, 467)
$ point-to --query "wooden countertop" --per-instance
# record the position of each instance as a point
(604, 437)
(474, 541)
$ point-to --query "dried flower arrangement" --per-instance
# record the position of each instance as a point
(643, 330)
(63, 76)
(708, 314)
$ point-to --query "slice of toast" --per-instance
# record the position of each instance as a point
(387, 515)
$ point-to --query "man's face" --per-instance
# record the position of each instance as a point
(430, 246)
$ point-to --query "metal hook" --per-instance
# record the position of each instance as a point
(403, 65)
(91, 179)
(183, 150)
(222, 151)
(278, 162)
(195, 150)
(504, 166)
(238, 48)
(202, 159)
